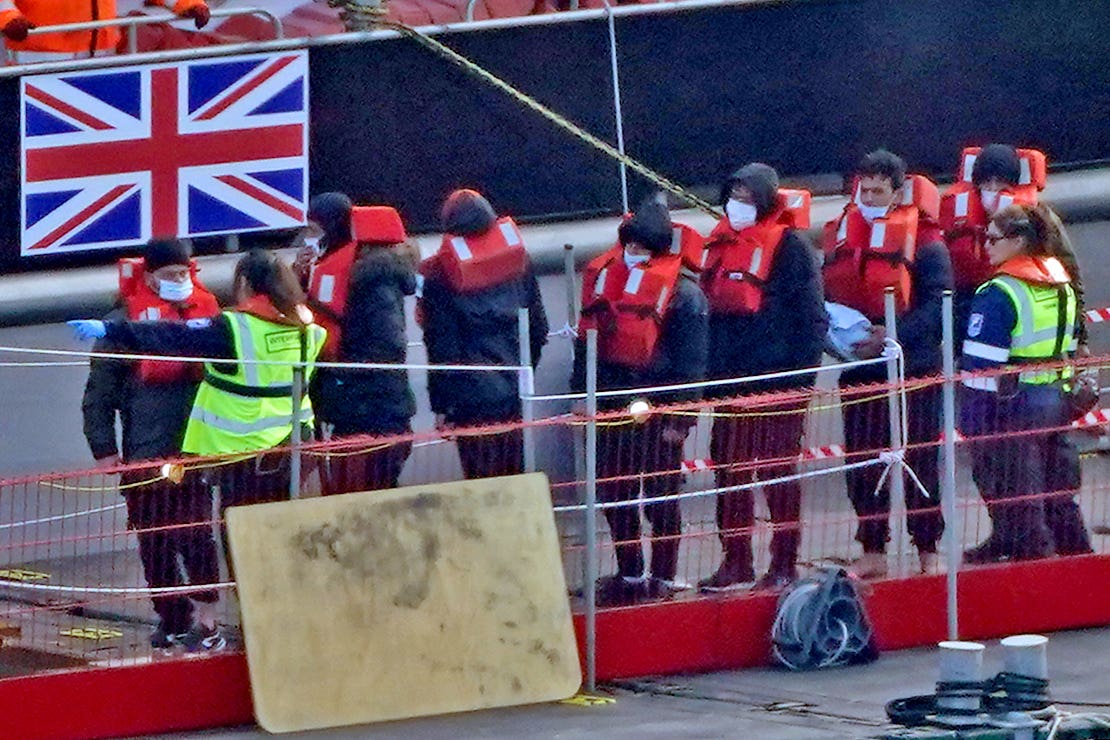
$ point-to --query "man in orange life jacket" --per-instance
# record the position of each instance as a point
(766, 315)
(17, 17)
(356, 289)
(152, 400)
(990, 179)
(652, 325)
(472, 291)
(913, 260)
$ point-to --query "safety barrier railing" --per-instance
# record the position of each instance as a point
(130, 25)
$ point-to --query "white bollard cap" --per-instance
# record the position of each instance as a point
(1026, 655)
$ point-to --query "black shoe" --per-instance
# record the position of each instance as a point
(661, 589)
(203, 640)
(612, 591)
(776, 580)
(989, 550)
(729, 577)
(162, 640)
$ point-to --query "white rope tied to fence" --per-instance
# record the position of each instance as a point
(119, 590)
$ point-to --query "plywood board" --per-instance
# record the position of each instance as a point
(416, 601)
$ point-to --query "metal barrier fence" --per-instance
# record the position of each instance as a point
(77, 564)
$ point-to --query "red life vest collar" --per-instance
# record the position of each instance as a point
(475, 262)
(328, 290)
(1035, 269)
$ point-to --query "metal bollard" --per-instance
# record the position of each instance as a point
(960, 689)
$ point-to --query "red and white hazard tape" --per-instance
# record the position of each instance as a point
(1093, 418)
(811, 453)
(1098, 315)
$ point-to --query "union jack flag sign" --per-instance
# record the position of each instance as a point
(112, 158)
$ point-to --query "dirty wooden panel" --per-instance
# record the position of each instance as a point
(391, 604)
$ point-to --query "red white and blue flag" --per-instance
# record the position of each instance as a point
(112, 158)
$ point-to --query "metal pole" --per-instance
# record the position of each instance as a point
(591, 510)
(295, 440)
(132, 38)
(572, 285)
(948, 482)
(897, 444)
(527, 389)
(617, 103)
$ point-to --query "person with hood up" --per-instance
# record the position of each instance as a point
(652, 322)
(357, 288)
(473, 288)
(766, 315)
(152, 400)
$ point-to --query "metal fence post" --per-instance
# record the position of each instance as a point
(897, 443)
(570, 274)
(527, 389)
(295, 438)
(588, 588)
(948, 481)
(617, 103)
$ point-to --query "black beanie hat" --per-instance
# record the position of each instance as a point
(162, 252)
(650, 227)
(997, 160)
(467, 212)
(763, 182)
(333, 212)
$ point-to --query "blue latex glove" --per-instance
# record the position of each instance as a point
(88, 329)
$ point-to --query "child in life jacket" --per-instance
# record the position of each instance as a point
(651, 319)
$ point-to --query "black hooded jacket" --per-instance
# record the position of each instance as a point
(373, 324)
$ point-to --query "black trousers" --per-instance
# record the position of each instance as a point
(1029, 481)
(623, 453)
(262, 478)
(377, 468)
(173, 525)
(867, 427)
(491, 455)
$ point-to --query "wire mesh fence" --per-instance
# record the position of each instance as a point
(760, 480)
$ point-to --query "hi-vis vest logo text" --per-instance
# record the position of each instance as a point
(281, 340)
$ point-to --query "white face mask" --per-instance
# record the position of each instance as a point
(740, 215)
(870, 213)
(175, 292)
(313, 243)
(989, 199)
(631, 260)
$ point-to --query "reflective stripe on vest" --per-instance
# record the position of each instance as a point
(1037, 330)
(251, 408)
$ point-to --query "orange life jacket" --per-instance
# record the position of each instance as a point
(59, 12)
(143, 304)
(628, 306)
(863, 259)
(479, 261)
(965, 221)
(736, 264)
(330, 282)
(1036, 270)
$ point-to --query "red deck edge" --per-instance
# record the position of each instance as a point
(677, 637)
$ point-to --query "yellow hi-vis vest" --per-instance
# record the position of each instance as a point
(251, 409)
(1045, 328)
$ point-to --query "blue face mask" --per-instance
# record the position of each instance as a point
(173, 291)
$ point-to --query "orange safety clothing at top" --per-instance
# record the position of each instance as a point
(863, 259)
(56, 13)
(627, 306)
(736, 264)
(329, 284)
(964, 219)
(476, 262)
(143, 304)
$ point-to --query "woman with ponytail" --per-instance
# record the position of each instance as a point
(243, 405)
(1027, 314)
